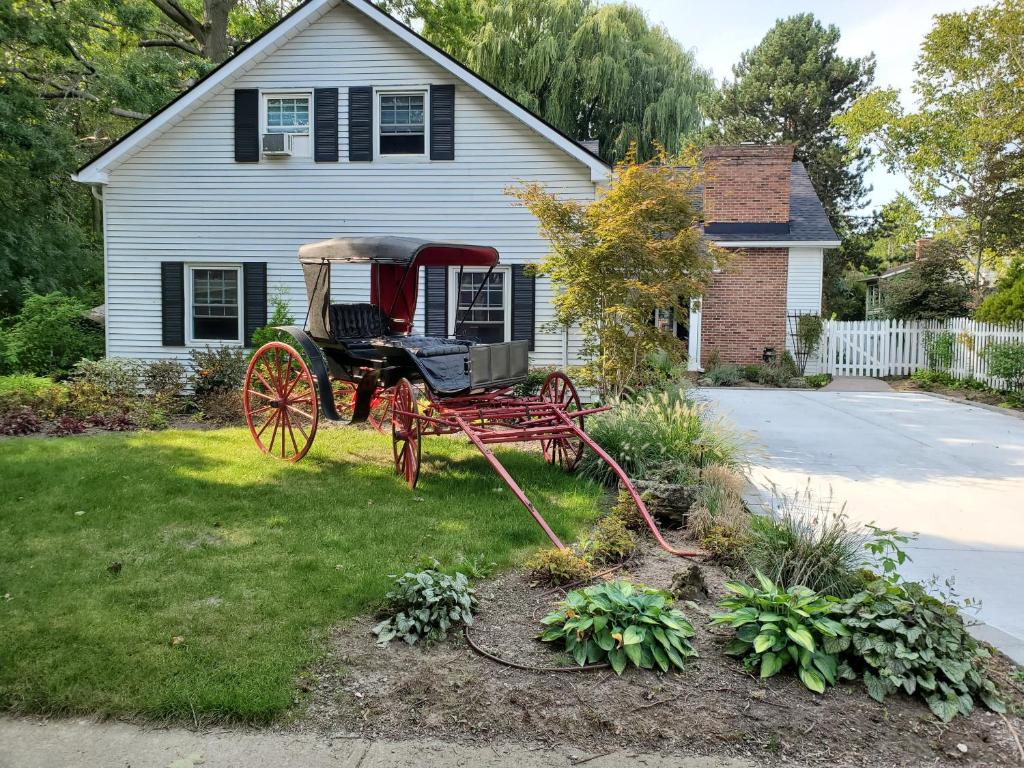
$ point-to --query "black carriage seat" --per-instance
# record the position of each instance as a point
(358, 321)
(429, 346)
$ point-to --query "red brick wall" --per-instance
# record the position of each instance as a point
(747, 183)
(744, 308)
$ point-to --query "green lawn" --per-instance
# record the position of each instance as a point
(248, 559)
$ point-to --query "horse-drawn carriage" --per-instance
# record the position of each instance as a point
(363, 362)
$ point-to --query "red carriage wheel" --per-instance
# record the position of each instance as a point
(380, 409)
(405, 432)
(564, 451)
(280, 402)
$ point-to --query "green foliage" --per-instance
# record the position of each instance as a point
(938, 349)
(280, 314)
(593, 70)
(931, 378)
(610, 541)
(776, 628)
(751, 372)
(116, 377)
(818, 380)
(933, 288)
(217, 369)
(786, 90)
(535, 376)
(164, 379)
(1006, 303)
(425, 605)
(659, 435)
(553, 566)
(613, 266)
(807, 543)
(902, 638)
(42, 394)
(726, 375)
(774, 375)
(51, 334)
(806, 336)
(1006, 360)
(623, 624)
(718, 519)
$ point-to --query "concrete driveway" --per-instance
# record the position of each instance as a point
(952, 473)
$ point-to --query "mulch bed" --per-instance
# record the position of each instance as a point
(713, 708)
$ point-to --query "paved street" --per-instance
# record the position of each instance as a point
(951, 472)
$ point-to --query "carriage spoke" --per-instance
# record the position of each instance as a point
(291, 432)
(302, 413)
(266, 424)
(260, 394)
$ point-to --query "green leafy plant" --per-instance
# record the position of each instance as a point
(938, 349)
(164, 378)
(425, 605)
(623, 624)
(552, 566)
(215, 369)
(902, 638)
(610, 541)
(20, 421)
(116, 377)
(727, 375)
(751, 372)
(43, 395)
(774, 375)
(927, 378)
(777, 627)
(806, 336)
(1006, 361)
(51, 334)
(817, 380)
(280, 314)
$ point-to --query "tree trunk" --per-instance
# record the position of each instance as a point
(216, 47)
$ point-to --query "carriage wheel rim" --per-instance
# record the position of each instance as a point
(563, 451)
(380, 409)
(280, 402)
(406, 442)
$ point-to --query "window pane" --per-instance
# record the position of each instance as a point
(485, 322)
(215, 304)
(288, 115)
(401, 124)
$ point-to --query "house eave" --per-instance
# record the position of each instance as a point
(777, 243)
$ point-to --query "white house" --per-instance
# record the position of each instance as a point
(340, 121)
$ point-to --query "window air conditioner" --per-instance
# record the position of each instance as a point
(277, 144)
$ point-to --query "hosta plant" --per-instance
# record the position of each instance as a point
(424, 606)
(777, 627)
(623, 624)
(904, 639)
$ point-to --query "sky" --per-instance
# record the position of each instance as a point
(891, 29)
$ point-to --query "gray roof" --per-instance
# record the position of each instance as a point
(808, 221)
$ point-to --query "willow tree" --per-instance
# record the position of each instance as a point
(594, 71)
(616, 260)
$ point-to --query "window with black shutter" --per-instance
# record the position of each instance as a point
(247, 125)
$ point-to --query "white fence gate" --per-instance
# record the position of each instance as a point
(899, 347)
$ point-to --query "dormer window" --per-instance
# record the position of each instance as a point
(288, 113)
(403, 123)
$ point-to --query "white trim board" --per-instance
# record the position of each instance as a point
(96, 172)
(779, 244)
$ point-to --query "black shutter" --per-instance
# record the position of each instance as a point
(255, 278)
(325, 125)
(442, 122)
(435, 307)
(524, 290)
(247, 125)
(360, 122)
(172, 303)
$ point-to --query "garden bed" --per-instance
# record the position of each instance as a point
(712, 708)
(984, 396)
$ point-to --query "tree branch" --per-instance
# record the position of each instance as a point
(170, 44)
(70, 92)
(182, 18)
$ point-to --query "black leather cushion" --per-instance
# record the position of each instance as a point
(358, 321)
(427, 346)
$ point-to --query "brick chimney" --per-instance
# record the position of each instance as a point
(921, 245)
(747, 184)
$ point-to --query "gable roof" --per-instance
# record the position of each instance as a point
(808, 222)
(95, 171)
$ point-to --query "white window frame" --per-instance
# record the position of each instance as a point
(189, 306)
(408, 90)
(453, 296)
(265, 96)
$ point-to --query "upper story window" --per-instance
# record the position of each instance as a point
(402, 123)
(287, 114)
(214, 306)
(489, 320)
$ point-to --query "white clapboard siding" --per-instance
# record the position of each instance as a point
(182, 197)
(900, 347)
(803, 291)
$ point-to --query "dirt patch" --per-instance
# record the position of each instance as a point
(713, 708)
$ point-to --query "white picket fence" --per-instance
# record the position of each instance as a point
(899, 347)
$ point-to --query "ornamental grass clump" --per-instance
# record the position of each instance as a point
(777, 628)
(554, 567)
(424, 606)
(621, 623)
(902, 638)
(659, 435)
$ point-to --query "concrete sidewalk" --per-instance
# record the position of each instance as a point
(951, 472)
(29, 743)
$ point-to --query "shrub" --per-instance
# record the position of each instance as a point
(817, 380)
(658, 435)
(555, 567)
(534, 380)
(751, 373)
(938, 349)
(927, 378)
(774, 375)
(164, 378)
(903, 638)
(776, 628)
(20, 421)
(622, 624)
(1006, 361)
(610, 541)
(808, 544)
(51, 334)
(280, 314)
(44, 396)
(116, 377)
(727, 375)
(216, 369)
(628, 512)
(806, 335)
(68, 425)
(222, 407)
(425, 605)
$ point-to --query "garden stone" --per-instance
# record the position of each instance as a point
(689, 584)
(669, 503)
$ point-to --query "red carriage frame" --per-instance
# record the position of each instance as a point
(361, 362)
